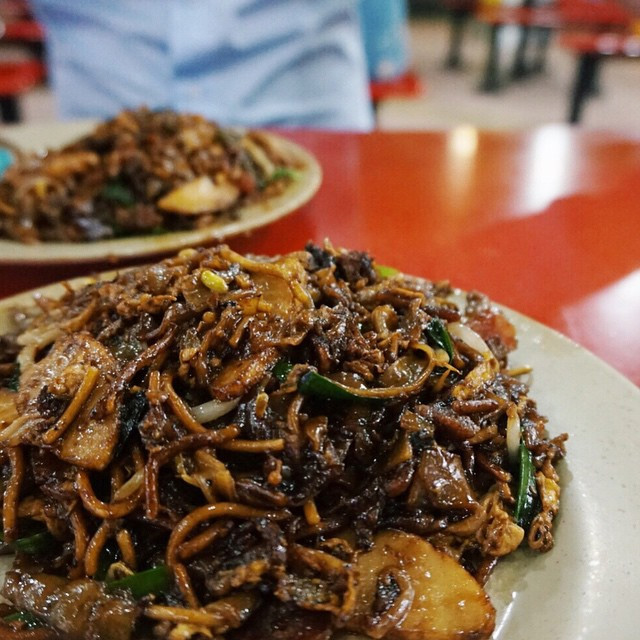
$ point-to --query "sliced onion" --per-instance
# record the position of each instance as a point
(469, 337)
(208, 411)
(513, 433)
(133, 484)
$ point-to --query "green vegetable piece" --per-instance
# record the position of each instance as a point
(283, 173)
(314, 384)
(440, 336)
(13, 382)
(118, 192)
(26, 617)
(140, 584)
(132, 409)
(36, 544)
(282, 369)
(385, 271)
(527, 493)
(158, 230)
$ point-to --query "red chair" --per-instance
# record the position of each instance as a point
(594, 15)
(22, 31)
(16, 78)
(407, 85)
(591, 49)
(26, 32)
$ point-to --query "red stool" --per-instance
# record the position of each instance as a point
(16, 78)
(407, 85)
(22, 31)
(25, 32)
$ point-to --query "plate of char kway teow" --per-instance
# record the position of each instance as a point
(143, 183)
(308, 446)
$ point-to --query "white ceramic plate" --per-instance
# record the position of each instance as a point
(250, 217)
(587, 587)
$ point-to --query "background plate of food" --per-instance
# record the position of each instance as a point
(255, 545)
(143, 183)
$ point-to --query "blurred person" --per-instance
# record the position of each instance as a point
(247, 62)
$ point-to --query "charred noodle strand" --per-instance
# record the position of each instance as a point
(234, 340)
(64, 422)
(183, 582)
(31, 507)
(202, 540)
(484, 570)
(81, 541)
(160, 457)
(130, 487)
(253, 446)
(211, 512)
(101, 509)
(117, 479)
(439, 385)
(293, 435)
(125, 544)
(154, 392)
(220, 616)
(311, 512)
(179, 615)
(197, 517)
(182, 615)
(12, 494)
(146, 358)
(180, 409)
(100, 537)
(76, 323)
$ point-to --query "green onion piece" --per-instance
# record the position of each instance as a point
(440, 336)
(158, 230)
(527, 493)
(13, 382)
(140, 584)
(283, 173)
(26, 617)
(118, 192)
(385, 271)
(282, 369)
(314, 384)
(36, 544)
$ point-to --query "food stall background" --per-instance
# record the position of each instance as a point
(413, 86)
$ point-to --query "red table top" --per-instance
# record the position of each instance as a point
(604, 44)
(546, 222)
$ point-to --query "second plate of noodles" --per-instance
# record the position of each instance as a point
(145, 182)
(220, 445)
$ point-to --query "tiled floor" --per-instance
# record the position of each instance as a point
(452, 98)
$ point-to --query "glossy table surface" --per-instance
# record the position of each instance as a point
(546, 222)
